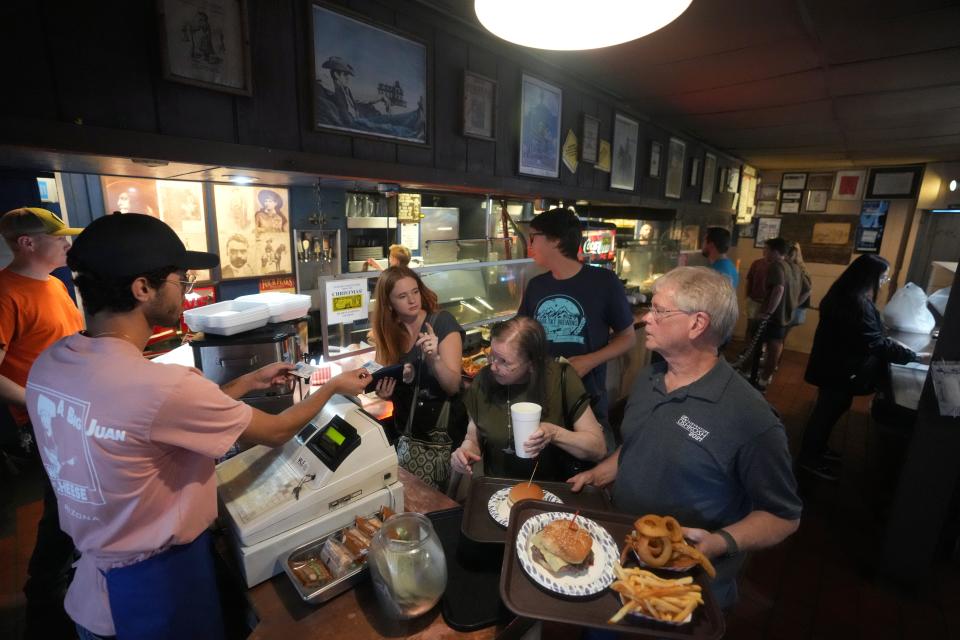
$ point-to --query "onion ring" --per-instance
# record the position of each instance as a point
(695, 553)
(647, 550)
(674, 530)
(651, 526)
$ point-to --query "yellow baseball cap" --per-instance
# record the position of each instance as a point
(29, 221)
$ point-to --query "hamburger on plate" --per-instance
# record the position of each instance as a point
(524, 491)
(563, 547)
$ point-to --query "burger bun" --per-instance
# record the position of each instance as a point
(524, 491)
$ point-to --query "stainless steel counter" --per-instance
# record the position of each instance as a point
(906, 380)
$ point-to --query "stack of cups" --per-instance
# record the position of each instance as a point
(526, 420)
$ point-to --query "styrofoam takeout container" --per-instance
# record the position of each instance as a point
(227, 318)
(283, 306)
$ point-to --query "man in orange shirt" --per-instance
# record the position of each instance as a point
(35, 312)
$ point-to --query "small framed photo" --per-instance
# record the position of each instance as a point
(694, 172)
(767, 229)
(656, 152)
(709, 178)
(747, 230)
(820, 181)
(767, 208)
(541, 104)
(589, 139)
(206, 44)
(848, 185)
(816, 200)
(675, 162)
(479, 106)
(733, 180)
(894, 182)
(626, 136)
(793, 181)
(873, 219)
(790, 201)
(768, 192)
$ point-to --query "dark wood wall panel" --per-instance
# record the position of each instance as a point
(105, 61)
(25, 72)
(508, 122)
(186, 111)
(451, 146)
(275, 120)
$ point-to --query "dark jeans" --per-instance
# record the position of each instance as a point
(49, 574)
(831, 404)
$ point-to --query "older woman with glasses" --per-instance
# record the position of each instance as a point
(521, 371)
(700, 443)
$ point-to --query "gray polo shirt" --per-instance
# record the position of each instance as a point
(707, 454)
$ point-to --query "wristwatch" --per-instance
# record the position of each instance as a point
(732, 547)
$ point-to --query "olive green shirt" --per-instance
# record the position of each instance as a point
(490, 415)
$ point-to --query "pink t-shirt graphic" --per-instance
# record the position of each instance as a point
(129, 447)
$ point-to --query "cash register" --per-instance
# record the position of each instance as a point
(273, 500)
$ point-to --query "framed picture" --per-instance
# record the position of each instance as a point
(178, 203)
(895, 182)
(675, 161)
(626, 134)
(747, 230)
(816, 200)
(694, 172)
(656, 152)
(793, 181)
(791, 196)
(767, 229)
(590, 139)
(540, 110)
(479, 106)
(848, 185)
(767, 208)
(709, 178)
(722, 182)
(733, 180)
(368, 80)
(206, 43)
(768, 192)
(603, 156)
(820, 181)
(873, 220)
(253, 231)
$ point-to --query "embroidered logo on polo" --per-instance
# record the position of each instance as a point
(74, 478)
(562, 318)
(693, 430)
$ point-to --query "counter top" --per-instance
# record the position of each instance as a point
(906, 380)
(354, 614)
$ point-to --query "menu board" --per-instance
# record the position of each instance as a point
(408, 207)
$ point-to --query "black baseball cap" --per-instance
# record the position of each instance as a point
(129, 244)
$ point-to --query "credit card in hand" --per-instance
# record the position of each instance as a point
(304, 370)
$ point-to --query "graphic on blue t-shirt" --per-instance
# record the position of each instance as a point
(562, 318)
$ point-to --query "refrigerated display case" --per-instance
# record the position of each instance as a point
(653, 250)
(598, 247)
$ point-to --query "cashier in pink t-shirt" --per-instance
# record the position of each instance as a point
(130, 444)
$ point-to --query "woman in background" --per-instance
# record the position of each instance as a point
(521, 370)
(409, 328)
(850, 356)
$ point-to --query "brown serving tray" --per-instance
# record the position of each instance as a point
(477, 524)
(526, 598)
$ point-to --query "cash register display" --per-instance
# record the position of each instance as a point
(334, 442)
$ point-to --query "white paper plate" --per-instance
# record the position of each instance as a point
(596, 579)
(499, 510)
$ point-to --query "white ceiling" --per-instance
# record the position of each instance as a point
(784, 84)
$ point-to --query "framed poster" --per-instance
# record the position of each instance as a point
(626, 133)
(897, 182)
(733, 180)
(675, 161)
(816, 201)
(768, 191)
(206, 43)
(709, 178)
(767, 229)
(848, 185)
(873, 220)
(656, 152)
(179, 204)
(789, 206)
(793, 181)
(590, 136)
(571, 151)
(479, 106)
(540, 110)
(368, 80)
(766, 208)
(694, 172)
(253, 231)
(603, 156)
(820, 181)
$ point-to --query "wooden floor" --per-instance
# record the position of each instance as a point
(821, 583)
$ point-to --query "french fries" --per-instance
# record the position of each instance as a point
(653, 596)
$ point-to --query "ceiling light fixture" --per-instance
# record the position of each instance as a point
(571, 25)
(953, 185)
(237, 179)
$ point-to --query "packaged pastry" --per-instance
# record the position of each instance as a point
(386, 512)
(311, 572)
(357, 543)
(337, 557)
(367, 527)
